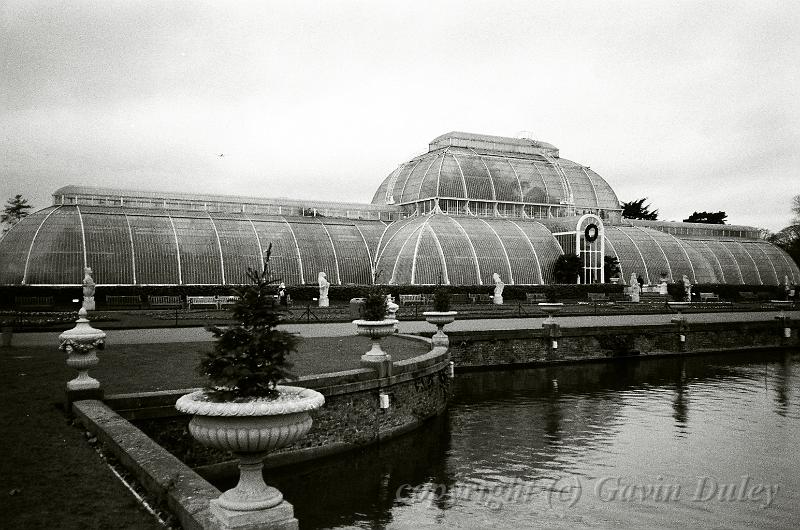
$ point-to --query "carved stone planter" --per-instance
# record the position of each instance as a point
(80, 344)
(376, 358)
(550, 308)
(440, 319)
(251, 429)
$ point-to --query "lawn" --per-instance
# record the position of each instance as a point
(52, 478)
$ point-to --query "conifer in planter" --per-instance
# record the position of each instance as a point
(440, 316)
(244, 410)
(375, 325)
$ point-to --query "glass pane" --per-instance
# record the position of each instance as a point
(430, 181)
(428, 269)
(108, 247)
(489, 250)
(15, 246)
(524, 267)
(766, 270)
(629, 257)
(239, 249)
(506, 186)
(458, 255)
(316, 251)
(582, 190)
(450, 182)
(199, 251)
(154, 249)
(533, 185)
(728, 263)
(372, 232)
(284, 263)
(411, 190)
(479, 186)
(552, 181)
(57, 253)
(750, 273)
(351, 254)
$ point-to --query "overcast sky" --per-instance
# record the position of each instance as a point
(691, 104)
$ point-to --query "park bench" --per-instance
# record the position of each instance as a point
(535, 298)
(33, 302)
(224, 300)
(164, 301)
(653, 298)
(748, 296)
(480, 298)
(459, 299)
(202, 301)
(709, 297)
(597, 298)
(412, 299)
(124, 301)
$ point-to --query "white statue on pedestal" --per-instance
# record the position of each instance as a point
(324, 284)
(88, 290)
(687, 287)
(634, 288)
(498, 289)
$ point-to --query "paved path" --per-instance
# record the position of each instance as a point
(340, 329)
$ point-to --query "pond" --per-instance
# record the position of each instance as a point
(668, 442)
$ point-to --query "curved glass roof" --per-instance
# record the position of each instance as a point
(139, 246)
(466, 251)
(489, 168)
(650, 253)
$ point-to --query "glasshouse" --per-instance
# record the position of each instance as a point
(471, 207)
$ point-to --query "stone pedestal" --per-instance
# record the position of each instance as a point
(81, 343)
(376, 358)
(280, 517)
(552, 333)
(440, 319)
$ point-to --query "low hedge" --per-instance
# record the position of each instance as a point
(63, 296)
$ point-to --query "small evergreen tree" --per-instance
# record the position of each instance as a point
(711, 218)
(567, 268)
(611, 267)
(250, 357)
(15, 210)
(638, 210)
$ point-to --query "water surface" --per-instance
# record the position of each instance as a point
(671, 442)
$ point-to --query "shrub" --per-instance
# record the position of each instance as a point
(441, 299)
(249, 358)
(375, 305)
(567, 268)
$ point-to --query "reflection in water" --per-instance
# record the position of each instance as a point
(679, 405)
(513, 442)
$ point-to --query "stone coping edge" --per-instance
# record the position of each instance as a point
(229, 468)
(465, 368)
(142, 405)
(184, 491)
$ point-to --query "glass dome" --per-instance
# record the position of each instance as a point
(439, 248)
(490, 168)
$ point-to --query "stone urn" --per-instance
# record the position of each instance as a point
(80, 343)
(250, 429)
(375, 330)
(440, 319)
(550, 308)
(782, 306)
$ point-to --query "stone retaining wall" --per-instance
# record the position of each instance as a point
(474, 350)
(418, 389)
